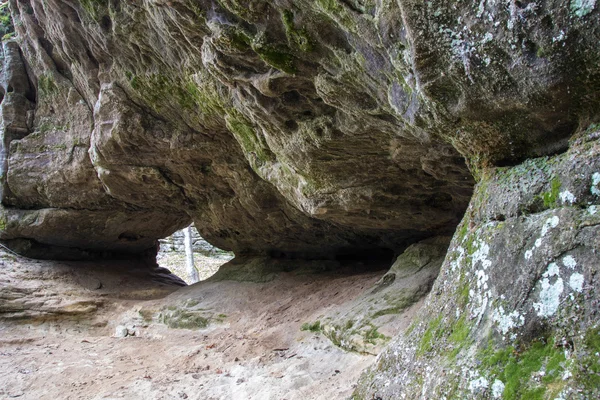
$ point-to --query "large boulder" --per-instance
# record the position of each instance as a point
(514, 311)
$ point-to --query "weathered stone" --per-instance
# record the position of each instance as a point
(364, 324)
(319, 130)
(38, 291)
(514, 310)
(121, 331)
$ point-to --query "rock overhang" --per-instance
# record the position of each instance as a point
(302, 129)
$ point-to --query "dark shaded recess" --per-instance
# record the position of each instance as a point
(376, 255)
(31, 93)
(368, 255)
(552, 143)
(69, 12)
(106, 23)
(40, 251)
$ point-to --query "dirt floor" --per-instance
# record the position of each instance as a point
(252, 348)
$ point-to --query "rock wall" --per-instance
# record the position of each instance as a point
(514, 311)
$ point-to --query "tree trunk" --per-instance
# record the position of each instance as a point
(189, 256)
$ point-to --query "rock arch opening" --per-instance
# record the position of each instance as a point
(206, 258)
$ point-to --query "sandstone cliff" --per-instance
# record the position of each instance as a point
(330, 129)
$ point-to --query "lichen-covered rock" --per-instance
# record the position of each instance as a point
(514, 311)
(322, 128)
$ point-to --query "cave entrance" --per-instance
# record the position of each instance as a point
(206, 258)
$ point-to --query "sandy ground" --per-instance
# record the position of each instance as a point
(256, 351)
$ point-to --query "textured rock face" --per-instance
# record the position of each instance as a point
(514, 311)
(299, 128)
(40, 291)
(318, 128)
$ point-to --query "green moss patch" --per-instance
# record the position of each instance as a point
(47, 85)
(528, 372)
(588, 371)
(550, 198)
(251, 143)
(432, 334)
(298, 37)
(314, 327)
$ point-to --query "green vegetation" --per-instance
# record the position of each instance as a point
(276, 57)
(95, 8)
(550, 198)
(146, 314)
(335, 10)
(184, 319)
(245, 135)
(46, 85)
(237, 38)
(372, 335)
(588, 373)
(298, 37)
(165, 90)
(243, 9)
(459, 335)
(433, 333)
(7, 29)
(515, 367)
(462, 232)
(314, 327)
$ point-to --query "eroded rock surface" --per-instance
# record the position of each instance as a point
(514, 311)
(321, 129)
(304, 127)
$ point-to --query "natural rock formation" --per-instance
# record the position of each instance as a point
(39, 291)
(514, 311)
(299, 128)
(207, 258)
(324, 130)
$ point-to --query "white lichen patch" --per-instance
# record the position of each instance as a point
(550, 293)
(550, 223)
(581, 8)
(507, 322)
(595, 183)
(482, 279)
(478, 384)
(497, 388)
(478, 302)
(481, 255)
(567, 197)
(576, 282)
(479, 298)
(592, 210)
(454, 264)
(569, 262)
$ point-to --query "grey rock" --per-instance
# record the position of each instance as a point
(121, 331)
(516, 292)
